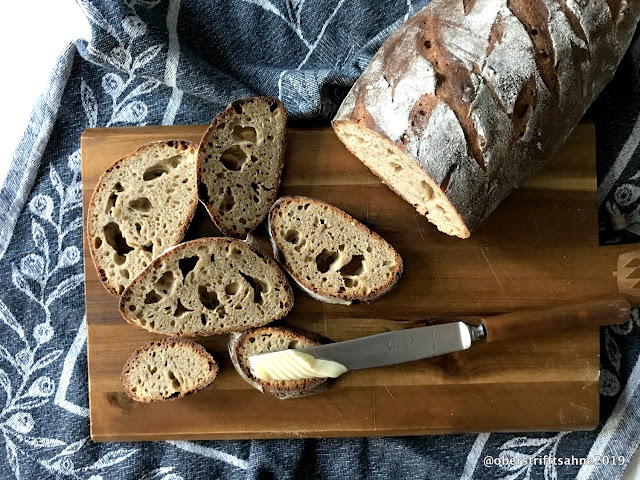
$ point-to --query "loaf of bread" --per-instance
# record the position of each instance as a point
(273, 339)
(142, 205)
(329, 254)
(468, 98)
(167, 369)
(205, 287)
(240, 161)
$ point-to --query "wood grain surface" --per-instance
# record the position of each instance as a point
(540, 247)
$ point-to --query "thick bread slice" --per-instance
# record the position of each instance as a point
(240, 161)
(142, 205)
(469, 98)
(273, 339)
(205, 287)
(329, 254)
(168, 369)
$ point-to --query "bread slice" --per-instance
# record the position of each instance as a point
(329, 254)
(240, 161)
(273, 339)
(167, 369)
(142, 205)
(205, 287)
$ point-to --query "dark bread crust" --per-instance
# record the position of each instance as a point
(283, 389)
(282, 279)
(306, 285)
(513, 108)
(197, 348)
(177, 144)
(222, 118)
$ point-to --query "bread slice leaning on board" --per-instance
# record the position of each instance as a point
(467, 99)
(142, 205)
(240, 160)
(273, 339)
(206, 287)
(168, 369)
(329, 254)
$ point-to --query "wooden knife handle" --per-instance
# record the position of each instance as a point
(541, 321)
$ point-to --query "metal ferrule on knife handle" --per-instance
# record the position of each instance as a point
(545, 320)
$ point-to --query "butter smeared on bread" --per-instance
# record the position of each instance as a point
(272, 339)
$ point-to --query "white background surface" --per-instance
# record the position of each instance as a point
(33, 33)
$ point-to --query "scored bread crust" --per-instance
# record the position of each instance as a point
(345, 298)
(281, 281)
(91, 222)
(468, 99)
(267, 197)
(282, 389)
(161, 343)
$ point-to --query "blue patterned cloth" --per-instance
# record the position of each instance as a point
(165, 62)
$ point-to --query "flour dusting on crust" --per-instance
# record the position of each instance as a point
(390, 106)
(442, 139)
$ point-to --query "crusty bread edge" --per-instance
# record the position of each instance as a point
(337, 122)
(222, 116)
(343, 299)
(182, 231)
(159, 343)
(236, 340)
(204, 333)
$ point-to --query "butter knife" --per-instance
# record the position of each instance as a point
(400, 346)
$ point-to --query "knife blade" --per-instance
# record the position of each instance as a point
(411, 344)
(398, 346)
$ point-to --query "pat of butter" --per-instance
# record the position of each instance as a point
(293, 365)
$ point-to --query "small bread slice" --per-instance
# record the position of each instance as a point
(329, 254)
(240, 161)
(273, 339)
(205, 287)
(168, 369)
(142, 205)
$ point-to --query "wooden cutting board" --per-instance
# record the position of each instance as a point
(539, 248)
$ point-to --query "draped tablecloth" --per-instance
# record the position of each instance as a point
(176, 62)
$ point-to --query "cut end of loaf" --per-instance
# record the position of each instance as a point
(403, 175)
(274, 339)
(168, 369)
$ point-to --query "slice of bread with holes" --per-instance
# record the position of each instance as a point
(329, 254)
(205, 287)
(168, 369)
(240, 161)
(142, 205)
(272, 339)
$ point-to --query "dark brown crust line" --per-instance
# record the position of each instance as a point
(283, 390)
(92, 203)
(222, 118)
(546, 107)
(199, 349)
(454, 87)
(374, 294)
(282, 279)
